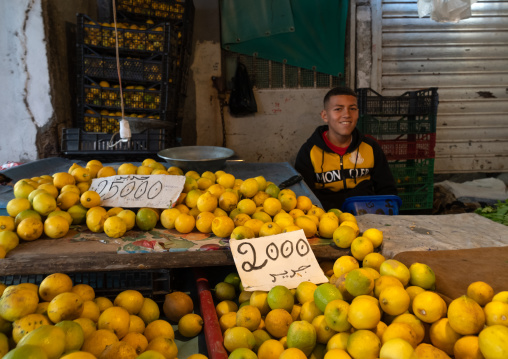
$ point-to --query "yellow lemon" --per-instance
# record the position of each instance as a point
(114, 211)
(103, 303)
(61, 179)
(302, 335)
(396, 348)
(114, 227)
(137, 341)
(501, 297)
(149, 311)
(63, 214)
(168, 217)
(53, 285)
(327, 227)
(465, 315)
(90, 199)
(272, 206)
(496, 313)
(207, 202)
(240, 219)
(126, 169)
(336, 314)
(384, 282)
(305, 292)
(249, 187)
(415, 323)
(74, 335)
(429, 307)
(81, 174)
(288, 201)
(394, 300)
(204, 222)
(247, 206)
(119, 350)
(270, 349)
(248, 317)
(97, 341)
(116, 319)
(226, 180)
(159, 328)
(316, 211)
(190, 325)
(480, 292)
(255, 225)
(269, 229)
(26, 324)
(129, 218)
(259, 299)
(359, 282)
(323, 331)
(44, 203)
(242, 232)
(56, 227)
(90, 310)
(95, 221)
(308, 226)
(343, 236)
(422, 276)
(343, 217)
(467, 347)
(8, 240)
(228, 320)
(309, 311)
(65, 306)
(226, 306)
(53, 348)
(130, 299)
(238, 337)
(222, 226)
(493, 342)
(303, 203)
(363, 344)
(374, 235)
(17, 205)
(364, 312)
(443, 336)
(373, 260)
(228, 201)
(338, 341)
(397, 269)
(30, 229)
(360, 247)
(345, 264)
(325, 293)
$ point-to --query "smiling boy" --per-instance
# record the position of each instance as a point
(338, 161)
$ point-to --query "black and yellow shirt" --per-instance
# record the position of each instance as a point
(363, 170)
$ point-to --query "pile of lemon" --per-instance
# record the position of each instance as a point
(59, 319)
(210, 202)
(366, 310)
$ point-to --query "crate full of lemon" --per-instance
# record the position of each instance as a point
(61, 319)
(368, 309)
(218, 203)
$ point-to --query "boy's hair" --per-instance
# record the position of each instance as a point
(336, 91)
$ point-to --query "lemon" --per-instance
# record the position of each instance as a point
(496, 313)
(467, 347)
(303, 203)
(309, 311)
(480, 292)
(63, 214)
(269, 229)
(149, 311)
(249, 188)
(56, 227)
(305, 292)
(429, 307)
(259, 299)
(308, 226)
(279, 297)
(228, 201)
(65, 306)
(272, 206)
(493, 342)
(242, 232)
(190, 325)
(287, 201)
(226, 306)
(501, 297)
(336, 313)
(338, 341)
(137, 341)
(443, 336)
(97, 341)
(74, 335)
(114, 227)
(324, 294)
(415, 323)
(359, 282)
(465, 315)
(168, 217)
(270, 349)
(53, 285)
(103, 303)
(146, 219)
(30, 229)
(8, 240)
(374, 235)
(90, 199)
(53, 348)
(273, 190)
(301, 335)
(34, 193)
(44, 203)
(26, 324)
(397, 269)
(159, 328)
(22, 189)
(248, 317)
(17, 205)
(222, 226)
(16, 302)
(127, 169)
(95, 221)
(422, 276)
(116, 319)
(238, 337)
(129, 218)
(316, 211)
(90, 310)
(394, 300)
(373, 260)
(119, 350)
(240, 219)
(130, 299)
(81, 174)
(360, 247)
(242, 353)
(343, 236)
(227, 320)
(327, 227)
(114, 211)
(224, 291)
(226, 180)
(323, 331)
(204, 222)
(364, 312)
(396, 348)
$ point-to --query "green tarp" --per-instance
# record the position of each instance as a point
(306, 33)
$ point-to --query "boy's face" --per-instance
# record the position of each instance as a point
(341, 115)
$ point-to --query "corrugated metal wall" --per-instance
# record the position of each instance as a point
(467, 61)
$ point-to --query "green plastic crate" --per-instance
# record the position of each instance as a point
(415, 182)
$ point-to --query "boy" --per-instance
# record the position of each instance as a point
(338, 161)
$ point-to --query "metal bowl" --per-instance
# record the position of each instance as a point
(197, 158)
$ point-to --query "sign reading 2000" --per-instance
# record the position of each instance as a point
(156, 191)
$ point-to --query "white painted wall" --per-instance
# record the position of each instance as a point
(25, 102)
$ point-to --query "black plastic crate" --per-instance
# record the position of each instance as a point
(411, 103)
(101, 95)
(133, 38)
(380, 125)
(76, 142)
(154, 284)
(173, 10)
(151, 69)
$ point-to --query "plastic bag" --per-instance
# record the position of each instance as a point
(445, 10)
(241, 100)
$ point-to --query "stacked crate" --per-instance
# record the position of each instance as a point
(154, 42)
(405, 128)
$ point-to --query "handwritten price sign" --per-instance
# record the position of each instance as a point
(284, 259)
(156, 191)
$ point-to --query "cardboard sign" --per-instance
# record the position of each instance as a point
(156, 191)
(283, 259)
